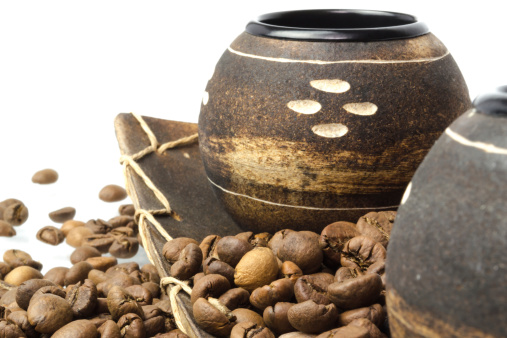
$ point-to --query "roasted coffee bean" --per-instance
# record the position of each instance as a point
(361, 252)
(49, 289)
(356, 292)
(15, 258)
(4, 268)
(112, 193)
(165, 307)
(15, 214)
(99, 226)
(50, 235)
(20, 318)
(151, 272)
(123, 232)
(57, 275)
(120, 279)
(310, 317)
(47, 313)
(247, 315)
(124, 247)
(235, 298)
(21, 274)
(230, 249)
(302, 248)
(141, 295)
(82, 253)
(210, 286)
(62, 215)
(67, 226)
(377, 226)
(213, 317)
(122, 221)
(373, 330)
(276, 318)
(281, 290)
(5, 203)
(126, 268)
(208, 246)
(332, 240)
(101, 319)
(9, 297)
(151, 311)
(277, 240)
(374, 313)
(311, 287)
(109, 330)
(173, 248)
(172, 334)
(345, 273)
(77, 273)
(81, 328)
(97, 276)
(82, 298)
(127, 210)
(45, 176)
(75, 237)
(290, 270)
(346, 332)
(101, 242)
(27, 289)
(188, 263)
(256, 268)
(6, 230)
(154, 325)
(120, 302)
(131, 325)
(250, 330)
(9, 329)
(213, 265)
(261, 239)
(101, 306)
(102, 263)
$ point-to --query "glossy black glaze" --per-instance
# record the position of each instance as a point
(493, 103)
(337, 24)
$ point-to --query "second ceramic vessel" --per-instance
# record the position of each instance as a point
(317, 116)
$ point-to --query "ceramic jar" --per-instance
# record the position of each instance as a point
(323, 115)
(447, 263)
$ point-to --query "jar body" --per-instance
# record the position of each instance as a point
(299, 134)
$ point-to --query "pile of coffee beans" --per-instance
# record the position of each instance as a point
(291, 283)
(95, 297)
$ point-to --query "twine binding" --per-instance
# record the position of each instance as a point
(143, 215)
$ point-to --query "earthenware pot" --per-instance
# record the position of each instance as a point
(446, 262)
(324, 115)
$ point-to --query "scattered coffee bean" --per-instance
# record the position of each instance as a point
(302, 248)
(15, 214)
(256, 268)
(69, 225)
(22, 274)
(101, 242)
(15, 258)
(231, 249)
(210, 286)
(188, 263)
(27, 289)
(102, 263)
(377, 226)
(127, 210)
(173, 248)
(109, 330)
(50, 235)
(62, 215)
(45, 176)
(235, 298)
(132, 325)
(76, 236)
(213, 317)
(332, 240)
(47, 313)
(6, 230)
(213, 265)
(99, 226)
(77, 329)
(82, 298)
(57, 275)
(276, 318)
(250, 330)
(5, 203)
(77, 273)
(112, 193)
(310, 317)
(82, 253)
(247, 315)
(10, 329)
(356, 292)
(120, 303)
(281, 290)
(346, 332)
(124, 247)
(20, 318)
(374, 313)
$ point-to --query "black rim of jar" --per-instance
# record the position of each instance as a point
(494, 103)
(337, 25)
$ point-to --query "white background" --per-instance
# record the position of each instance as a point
(67, 68)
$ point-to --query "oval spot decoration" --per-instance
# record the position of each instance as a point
(330, 130)
(205, 98)
(331, 86)
(304, 106)
(407, 193)
(361, 108)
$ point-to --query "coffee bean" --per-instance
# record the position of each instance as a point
(82, 253)
(101, 242)
(290, 270)
(127, 210)
(27, 289)
(49, 289)
(278, 239)
(230, 249)
(132, 325)
(173, 248)
(77, 273)
(45, 176)
(361, 252)
(57, 275)
(302, 248)
(100, 319)
(21, 274)
(141, 295)
(4, 269)
(99, 226)
(123, 221)
(281, 290)
(20, 318)
(123, 232)
(310, 317)
(276, 318)
(16, 258)
(250, 330)
(76, 236)
(69, 225)
(153, 288)
(77, 329)
(154, 326)
(373, 330)
(213, 265)
(172, 334)
(188, 263)
(102, 263)
(126, 268)
(5, 203)
(332, 240)
(377, 226)
(213, 317)
(374, 313)
(210, 286)
(309, 287)
(124, 247)
(247, 315)
(109, 330)
(82, 298)
(235, 298)
(151, 272)
(345, 273)
(47, 313)
(6, 230)
(208, 246)
(50, 235)
(62, 215)
(356, 292)
(120, 302)
(112, 193)
(256, 268)
(9, 329)
(15, 214)
(346, 332)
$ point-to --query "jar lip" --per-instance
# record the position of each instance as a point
(493, 103)
(337, 25)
